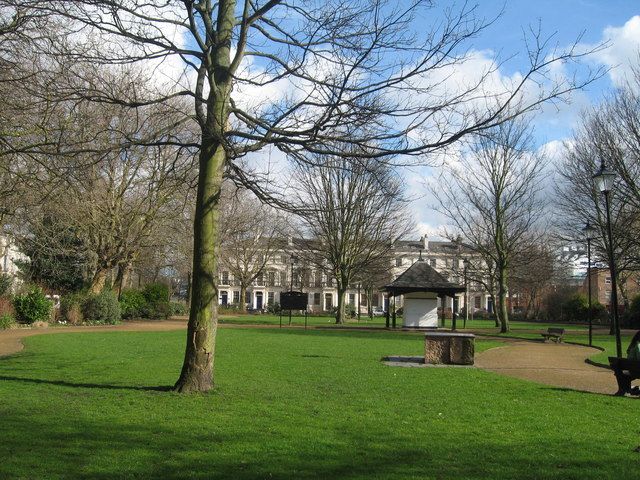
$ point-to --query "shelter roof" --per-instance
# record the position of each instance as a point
(421, 277)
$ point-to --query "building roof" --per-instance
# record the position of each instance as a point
(421, 277)
(432, 247)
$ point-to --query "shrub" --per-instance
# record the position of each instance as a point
(133, 303)
(157, 310)
(156, 292)
(71, 308)
(157, 301)
(102, 308)
(178, 308)
(274, 308)
(32, 306)
(6, 321)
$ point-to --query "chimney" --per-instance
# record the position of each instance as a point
(425, 242)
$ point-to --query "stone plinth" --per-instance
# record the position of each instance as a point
(449, 348)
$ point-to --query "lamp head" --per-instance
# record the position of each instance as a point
(604, 178)
(589, 231)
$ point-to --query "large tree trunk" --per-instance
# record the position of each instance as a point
(197, 369)
(502, 313)
(99, 280)
(124, 272)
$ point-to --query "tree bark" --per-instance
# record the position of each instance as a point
(197, 369)
(99, 280)
(502, 313)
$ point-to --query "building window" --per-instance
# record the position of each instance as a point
(316, 298)
(374, 300)
(432, 262)
(271, 298)
(352, 299)
(272, 279)
(260, 280)
(236, 296)
(399, 262)
(476, 302)
(225, 278)
(363, 299)
(328, 301)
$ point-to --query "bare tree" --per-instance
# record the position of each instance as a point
(367, 63)
(492, 198)
(609, 132)
(355, 212)
(532, 275)
(252, 233)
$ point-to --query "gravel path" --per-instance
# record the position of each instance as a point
(560, 365)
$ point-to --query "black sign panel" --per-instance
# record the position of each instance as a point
(293, 301)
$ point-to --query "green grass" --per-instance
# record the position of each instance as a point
(365, 321)
(294, 404)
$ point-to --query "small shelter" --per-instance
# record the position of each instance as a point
(421, 286)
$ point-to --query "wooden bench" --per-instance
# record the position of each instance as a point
(625, 371)
(554, 334)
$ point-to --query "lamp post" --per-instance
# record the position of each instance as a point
(604, 182)
(466, 293)
(589, 232)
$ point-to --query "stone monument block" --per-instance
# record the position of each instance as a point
(449, 348)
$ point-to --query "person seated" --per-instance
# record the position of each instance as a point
(624, 381)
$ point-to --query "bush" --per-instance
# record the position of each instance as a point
(32, 306)
(102, 309)
(156, 292)
(6, 321)
(133, 303)
(178, 308)
(274, 308)
(157, 310)
(71, 308)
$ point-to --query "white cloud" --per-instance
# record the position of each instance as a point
(623, 51)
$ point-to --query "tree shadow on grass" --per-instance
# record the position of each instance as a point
(64, 383)
(78, 447)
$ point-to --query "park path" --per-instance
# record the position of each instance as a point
(561, 365)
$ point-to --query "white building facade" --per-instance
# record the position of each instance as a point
(282, 275)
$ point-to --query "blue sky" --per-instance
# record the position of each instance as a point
(614, 21)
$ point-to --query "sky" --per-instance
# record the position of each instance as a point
(590, 23)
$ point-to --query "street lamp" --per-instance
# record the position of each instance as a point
(466, 293)
(604, 182)
(589, 233)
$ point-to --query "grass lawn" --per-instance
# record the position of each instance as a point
(365, 321)
(294, 404)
